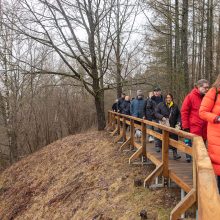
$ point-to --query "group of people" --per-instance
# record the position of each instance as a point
(200, 110)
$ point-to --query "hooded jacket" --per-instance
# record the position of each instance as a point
(190, 114)
(209, 111)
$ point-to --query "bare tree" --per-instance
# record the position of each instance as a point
(77, 31)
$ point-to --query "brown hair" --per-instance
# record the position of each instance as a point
(216, 84)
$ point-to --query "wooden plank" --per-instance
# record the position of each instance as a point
(162, 127)
(194, 169)
(179, 181)
(132, 132)
(181, 146)
(114, 132)
(143, 138)
(118, 138)
(208, 196)
(155, 134)
(153, 159)
(138, 146)
(124, 129)
(136, 155)
(125, 144)
(183, 205)
(118, 124)
(157, 172)
(165, 153)
(128, 122)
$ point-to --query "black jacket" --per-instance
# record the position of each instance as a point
(149, 109)
(125, 107)
(115, 107)
(173, 113)
(157, 99)
(120, 102)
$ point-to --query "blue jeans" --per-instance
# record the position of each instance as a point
(158, 142)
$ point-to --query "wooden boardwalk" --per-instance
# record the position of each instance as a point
(196, 179)
(181, 172)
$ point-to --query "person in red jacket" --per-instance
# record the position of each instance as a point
(210, 112)
(191, 122)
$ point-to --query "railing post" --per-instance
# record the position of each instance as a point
(124, 129)
(143, 138)
(165, 153)
(119, 124)
(109, 119)
(132, 132)
(114, 121)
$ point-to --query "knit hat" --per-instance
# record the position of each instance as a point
(156, 89)
(139, 93)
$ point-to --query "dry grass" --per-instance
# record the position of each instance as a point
(80, 177)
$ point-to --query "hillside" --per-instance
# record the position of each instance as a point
(83, 176)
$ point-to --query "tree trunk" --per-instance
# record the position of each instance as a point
(185, 44)
(177, 58)
(200, 64)
(209, 42)
(118, 52)
(218, 49)
(100, 112)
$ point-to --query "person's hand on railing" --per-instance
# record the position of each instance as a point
(178, 126)
(186, 130)
(164, 119)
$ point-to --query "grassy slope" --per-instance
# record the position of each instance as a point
(80, 177)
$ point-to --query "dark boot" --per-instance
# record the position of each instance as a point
(175, 155)
(188, 158)
(157, 149)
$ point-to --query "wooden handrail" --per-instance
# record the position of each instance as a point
(207, 191)
(204, 192)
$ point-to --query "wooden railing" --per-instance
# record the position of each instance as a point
(203, 192)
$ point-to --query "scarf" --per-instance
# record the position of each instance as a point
(170, 104)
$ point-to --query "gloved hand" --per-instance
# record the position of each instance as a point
(178, 127)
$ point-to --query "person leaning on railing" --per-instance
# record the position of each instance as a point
(210, 112)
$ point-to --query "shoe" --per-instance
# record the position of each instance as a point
(175, 155)
(150, 139)
(188, 160)
(157, 149)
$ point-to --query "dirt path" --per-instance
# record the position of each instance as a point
(80, 177)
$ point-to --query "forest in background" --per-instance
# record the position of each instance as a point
(63, 63)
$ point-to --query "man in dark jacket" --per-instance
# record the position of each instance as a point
(137, 105)
(149, 110)
(115, 106)
(157, 97)
(126, 106)
(120, 102)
